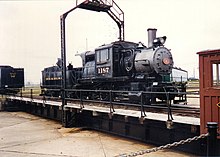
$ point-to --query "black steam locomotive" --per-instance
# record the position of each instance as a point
(119, 66)
(11, 79)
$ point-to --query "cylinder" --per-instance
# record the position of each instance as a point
(151, 36)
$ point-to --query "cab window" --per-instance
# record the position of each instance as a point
(216, 74)
(102, 55)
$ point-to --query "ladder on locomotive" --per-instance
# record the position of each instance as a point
(108, 6)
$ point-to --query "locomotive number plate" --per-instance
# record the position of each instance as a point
(103, 70)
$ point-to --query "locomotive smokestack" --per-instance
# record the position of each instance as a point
(151, 36)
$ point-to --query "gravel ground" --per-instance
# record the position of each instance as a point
(25, 135)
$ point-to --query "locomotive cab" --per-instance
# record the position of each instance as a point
(103, 61)
(114, 60)
(109, 61)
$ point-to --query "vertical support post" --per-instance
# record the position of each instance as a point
(21, 93)
(44, 99)
(169, 122)
(63, 59)
(111, 104)
(31, 93)
(120, 33)
(81, 99)
(170, 116)
(143, 114)
(212, 138)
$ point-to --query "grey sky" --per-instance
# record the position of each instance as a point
(30, 30)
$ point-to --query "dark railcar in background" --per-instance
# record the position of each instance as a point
(11, 79)
(52, 79)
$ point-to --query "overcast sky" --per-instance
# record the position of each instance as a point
(30, 30)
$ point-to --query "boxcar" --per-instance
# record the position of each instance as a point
(11, 79)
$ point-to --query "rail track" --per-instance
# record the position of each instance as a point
(177, 110)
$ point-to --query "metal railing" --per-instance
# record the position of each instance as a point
(134, 98)
(139, 100)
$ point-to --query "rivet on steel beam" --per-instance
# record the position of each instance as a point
(193, 129)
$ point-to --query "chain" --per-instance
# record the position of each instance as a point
(175, 144)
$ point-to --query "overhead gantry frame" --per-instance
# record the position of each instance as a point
(108, 6)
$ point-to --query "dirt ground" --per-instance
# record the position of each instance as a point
(25, 135)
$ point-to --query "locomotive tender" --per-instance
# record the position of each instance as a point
(119, 66)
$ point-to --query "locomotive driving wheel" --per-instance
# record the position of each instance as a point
(104, 95)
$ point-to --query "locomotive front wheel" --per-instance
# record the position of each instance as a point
(104, 96)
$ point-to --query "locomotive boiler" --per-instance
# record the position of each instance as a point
(124, 66)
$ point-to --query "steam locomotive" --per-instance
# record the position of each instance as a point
(119, 66)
